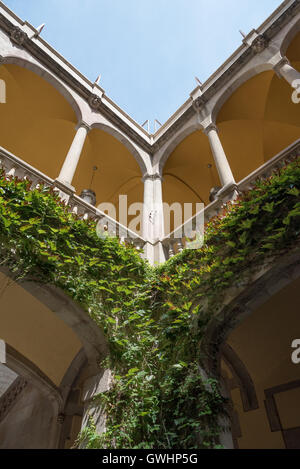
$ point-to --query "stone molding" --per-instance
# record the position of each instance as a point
(9, 398)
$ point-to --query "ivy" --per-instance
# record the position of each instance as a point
(154, 319)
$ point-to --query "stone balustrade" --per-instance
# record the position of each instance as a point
(14, 166)
(175, 242)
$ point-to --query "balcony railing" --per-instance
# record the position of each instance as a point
(14, 166)
(172, 243)
(175, 242)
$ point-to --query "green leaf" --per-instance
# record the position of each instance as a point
(268, 207)
(294, 192)
(243, 238)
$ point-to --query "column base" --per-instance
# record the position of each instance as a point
(228, 192)
(154, 253)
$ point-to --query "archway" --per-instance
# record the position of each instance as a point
(52, 349)
(37, 122)
(262, 344)
(108, 168)
(189, 173)
(249, 348)
(258, 121)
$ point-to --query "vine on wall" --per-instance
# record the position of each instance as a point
(155, 319)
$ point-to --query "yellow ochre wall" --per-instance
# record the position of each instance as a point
(256, 122)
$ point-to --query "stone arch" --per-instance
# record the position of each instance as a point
(256, 118)
(189, 173)
(239, 305)
(52, 393)
(252, 321)
(289, 36)
(29, 392)
(241, 79)
(112, 166)
(70, 313)
(109, 129)
(46, 116)
(241, 376)
(49, 77)
(162, 157)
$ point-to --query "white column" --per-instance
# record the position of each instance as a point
(159, 229)
(70, 164)
(153, 219)
(284, 70)
(147, 229)
(225, 173)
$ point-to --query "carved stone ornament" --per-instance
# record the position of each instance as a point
(18, 36)
(199, 103)
(1, 60)
(259, 44)
(94, 101)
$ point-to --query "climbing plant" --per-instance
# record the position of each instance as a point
(155, 319)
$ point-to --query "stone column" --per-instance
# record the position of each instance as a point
(94, 385)
(70, 164)
(159, 229)
(147, 230)
(153, 217)
(224, 170)
(284, 70)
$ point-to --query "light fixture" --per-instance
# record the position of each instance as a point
(88, 195)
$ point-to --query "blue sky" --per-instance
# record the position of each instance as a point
(147, 51)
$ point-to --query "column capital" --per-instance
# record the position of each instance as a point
(277, 68)
(209, 128)
(152, 177)
(84, 125)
